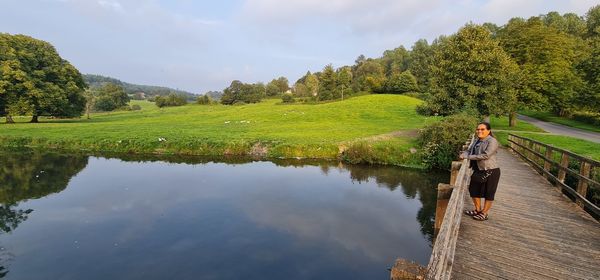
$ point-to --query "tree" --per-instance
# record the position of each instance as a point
(90, 101)
(277, 86)
(110, 97)
(34, 79)
(401, 83)
(420, 63)
(172, 99)
(204, 100)
(312, 84)
(239, 92)
(547, 58)
(395, 61)
(369, 76)
(472, 71)
(589, 99)
(327, 84)
(344, 79)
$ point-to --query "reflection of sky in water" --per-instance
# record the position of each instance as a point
(157, 220)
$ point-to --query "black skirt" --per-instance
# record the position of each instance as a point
(484, 183)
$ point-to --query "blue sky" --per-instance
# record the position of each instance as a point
(204, 45)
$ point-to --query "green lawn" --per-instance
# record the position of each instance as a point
(578, 146)
(549, 117)
(296, 130)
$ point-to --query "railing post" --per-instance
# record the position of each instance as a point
(582, 185)
(564, 162)
(454, 171)
(547, 164)
(444, 191)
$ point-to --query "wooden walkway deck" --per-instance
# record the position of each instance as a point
(533, 232)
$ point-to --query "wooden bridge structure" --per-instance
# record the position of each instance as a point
(543, 224)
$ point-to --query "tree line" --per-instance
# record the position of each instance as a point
(549, 62)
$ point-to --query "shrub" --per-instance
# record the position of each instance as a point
(287, 98)
(203, 100)
(442, 141)
(136, 107)
(587, 117)
(170, 100)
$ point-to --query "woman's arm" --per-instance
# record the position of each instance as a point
(490, 150)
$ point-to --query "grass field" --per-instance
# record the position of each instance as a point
(360, 125)
(578, 146)
(549, 117)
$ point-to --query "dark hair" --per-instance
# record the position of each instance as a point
(488, 127)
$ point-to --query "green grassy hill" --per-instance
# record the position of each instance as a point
(371, 128)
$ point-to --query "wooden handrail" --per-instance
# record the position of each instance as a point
(442, 257)
(524, 147)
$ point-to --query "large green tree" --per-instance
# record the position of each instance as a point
(472, 72)
(35, 80)
(547, 58)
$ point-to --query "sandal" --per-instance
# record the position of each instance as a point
(471, 212)
(480, 216)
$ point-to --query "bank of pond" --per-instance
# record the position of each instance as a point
(77, 216)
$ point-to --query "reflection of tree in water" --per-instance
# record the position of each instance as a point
(413, 183)
(28, 175)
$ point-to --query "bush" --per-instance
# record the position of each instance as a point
(587, 117)
(203, 100)
(136, 107)
(170, 100)
(442, 141)
(287, 98)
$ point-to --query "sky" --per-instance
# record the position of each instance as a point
(203, 45)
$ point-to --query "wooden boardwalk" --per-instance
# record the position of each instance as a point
(533, 232)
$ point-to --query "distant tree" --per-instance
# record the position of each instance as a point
(401, 83)
(327, 84)
(421, 59)
(170, 100)
(300, 89)
(360, 59)
(369, 76)
(203, 100)
(35, 80)
(312, 84)
(395, 61)
(90, 100)
(287, 98)
(239, 92)
(344, 79)
(110, 97)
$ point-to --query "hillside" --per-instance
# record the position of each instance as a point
(371, 128)
(98, 80)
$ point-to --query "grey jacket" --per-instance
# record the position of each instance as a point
(485, 155)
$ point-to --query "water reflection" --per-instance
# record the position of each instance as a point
(198, 218)
(28, 175)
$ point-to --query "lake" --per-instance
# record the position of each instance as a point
(66, 216)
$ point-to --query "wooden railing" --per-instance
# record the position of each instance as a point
(542, 157)
(449, 208)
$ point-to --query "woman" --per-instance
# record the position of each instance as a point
(484, 181)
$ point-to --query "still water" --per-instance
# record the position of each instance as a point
(83, 217)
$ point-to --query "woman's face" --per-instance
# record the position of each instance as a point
(482, 131)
